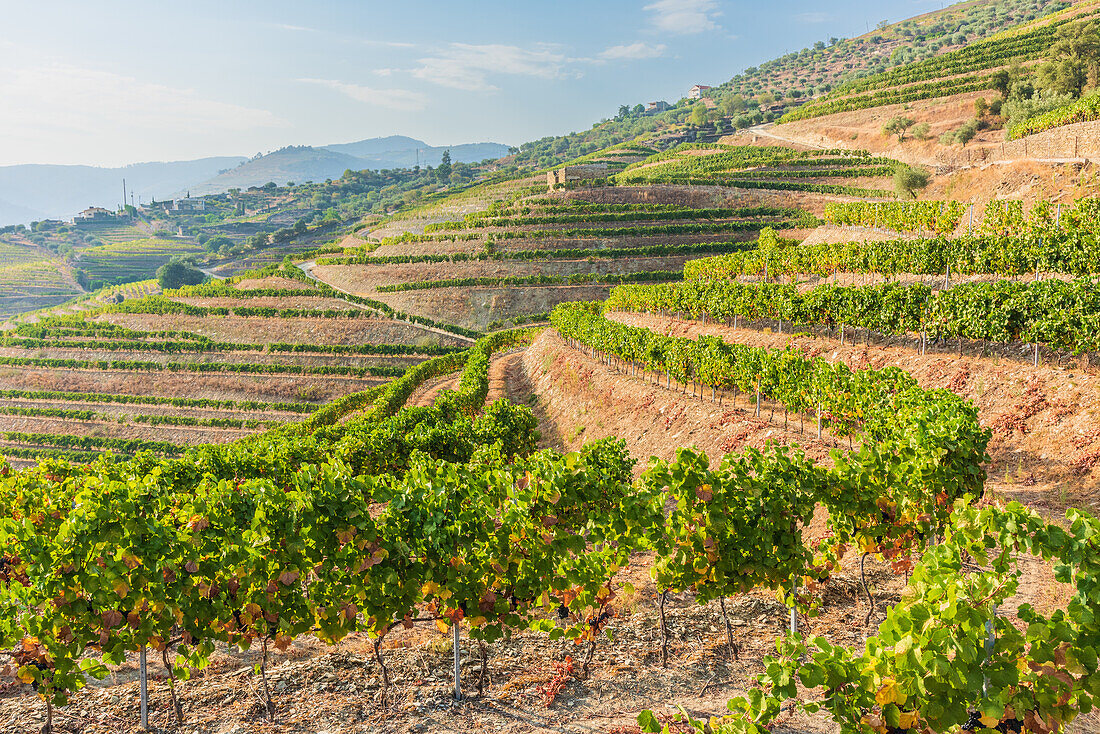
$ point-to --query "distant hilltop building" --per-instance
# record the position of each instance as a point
(587, 172)
(93, 214)
(654, 107)
(189, 205)
(696, 92)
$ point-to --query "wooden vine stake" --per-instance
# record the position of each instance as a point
(794, 606)
(664, 628)
(144, 673)
(458, 669)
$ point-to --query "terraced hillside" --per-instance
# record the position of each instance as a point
(836, 62)
(521, 257)
(166, 372)
(770, 168)
(31, 278)
(849, 428)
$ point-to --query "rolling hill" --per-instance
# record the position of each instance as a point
(306, 163)
(30, 192)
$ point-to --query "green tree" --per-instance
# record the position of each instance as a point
(443, 171)
(909, 181)
(1074, 59)
(732, 105)
(699, 114)
(921, 130)
(178, 272)
(897, 126)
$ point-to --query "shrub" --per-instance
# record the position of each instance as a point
(967, 132)
(921, 130)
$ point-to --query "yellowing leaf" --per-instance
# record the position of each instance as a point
(442, 626)
(429, 587)
(120, 588)
(889, 692)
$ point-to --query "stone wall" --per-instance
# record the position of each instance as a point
(1080, 140)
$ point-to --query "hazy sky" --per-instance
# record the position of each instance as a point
(110, 83)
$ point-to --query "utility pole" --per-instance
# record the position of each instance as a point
(123, 193)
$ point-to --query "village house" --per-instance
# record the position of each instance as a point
(696, 92)
(93, 214)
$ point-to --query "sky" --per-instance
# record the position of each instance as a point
(112, 83)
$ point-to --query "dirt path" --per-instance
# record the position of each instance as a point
(503, 371)
(427, 392)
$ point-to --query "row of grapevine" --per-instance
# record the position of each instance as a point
(163, 305)
(169, 543)
(78, 415)
(135, 365)
(475, 362)
(574, 279)
(98, 443)
(48, 333)
(555, 254)
(938, 217)
(801, 220)
(60, 395)
(1060, 314)
(1072, 253)
(628, 215)
(224, 289)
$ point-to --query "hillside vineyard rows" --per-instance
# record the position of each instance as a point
(270, 536)
(710, 432)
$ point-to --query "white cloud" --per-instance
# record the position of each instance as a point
(468, 67)
(394, 99)
(684, 16)
(812, 17)
(387, 44)
(58, 98)
(636, 50)
(296, 28)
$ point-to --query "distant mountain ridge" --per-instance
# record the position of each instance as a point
(32, 191)
(306, 163)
